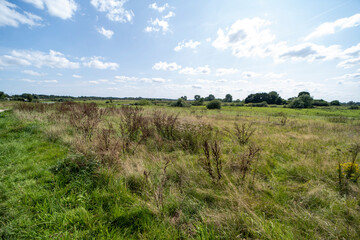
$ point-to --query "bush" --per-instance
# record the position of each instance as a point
(335, 103)
(261, 104)
(180, 103)
(214, 104)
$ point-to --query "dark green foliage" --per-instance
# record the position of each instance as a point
(214, 104)
(181, 102)
(303, 93)
(320, 102)
(210, 98)
(228, 98)
(304, 101)
(335, 103)
(260, 104)
(270, 98)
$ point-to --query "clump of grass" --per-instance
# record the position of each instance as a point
(242, 162)
(242, 133)
(165, 124)
(212, 162)
(85, 117)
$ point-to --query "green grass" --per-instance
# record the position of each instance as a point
(49, 190)
(44, 197)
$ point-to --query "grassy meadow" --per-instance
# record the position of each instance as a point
(106, 171)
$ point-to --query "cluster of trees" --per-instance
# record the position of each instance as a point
(270, 98)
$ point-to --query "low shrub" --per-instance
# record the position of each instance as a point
(214, 104)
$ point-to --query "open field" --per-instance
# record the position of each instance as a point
(80, 171)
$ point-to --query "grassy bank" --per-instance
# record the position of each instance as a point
(71, 172)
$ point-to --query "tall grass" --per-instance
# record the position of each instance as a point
(135, 173)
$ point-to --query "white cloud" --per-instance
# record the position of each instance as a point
(306, 51)
(226, 71)
(332, 27)
(157, 25)
(63, 9)
(158, 8)
(76, 76)
(9, 16)
(166, 66)
(158, 80)
(37, 59)
(39, 81)
(95, 62)
(189, 44)
(114, 9)
(33, 73)
(348, 63)
(250, 74)
(94, 82)
(124, 78)
(106, 33)
(195, 71)
(169, 15)
(246, 38)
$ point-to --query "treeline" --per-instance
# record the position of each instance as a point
(263, 99)
(27, 97)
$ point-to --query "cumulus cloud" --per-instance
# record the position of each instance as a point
(106, 33)
(95, 62)
(189, 44)
(63, 9)
(348, 63)
(307, 51)
(37, 59)
(169, 15)
(160, 9)
(76, 76)
(226, 71)
(246, 38)
(161, 24)
(9, 16)
(114, 10)
(336, 26)
(195, 71)
(157, 25)
(33, 73)
(166, 66)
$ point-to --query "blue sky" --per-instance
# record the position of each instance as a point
(167, 49)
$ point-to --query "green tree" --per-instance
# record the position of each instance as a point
(228, 98)
(303, 93)
(197, 97)
(210, 98)
(335, 103)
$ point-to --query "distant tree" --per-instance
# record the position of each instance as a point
(335, 103)
(197, 97)
(27, 97)
(198, 102)
(3, 95)
(304, 101)
(303, 93)
(320, 102)
(228, 98)
(210, 98)
(214, 104)
(180, 103)
(184, 97)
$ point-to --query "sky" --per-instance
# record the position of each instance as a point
(168, 49)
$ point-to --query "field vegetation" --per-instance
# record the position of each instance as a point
(78, 170)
